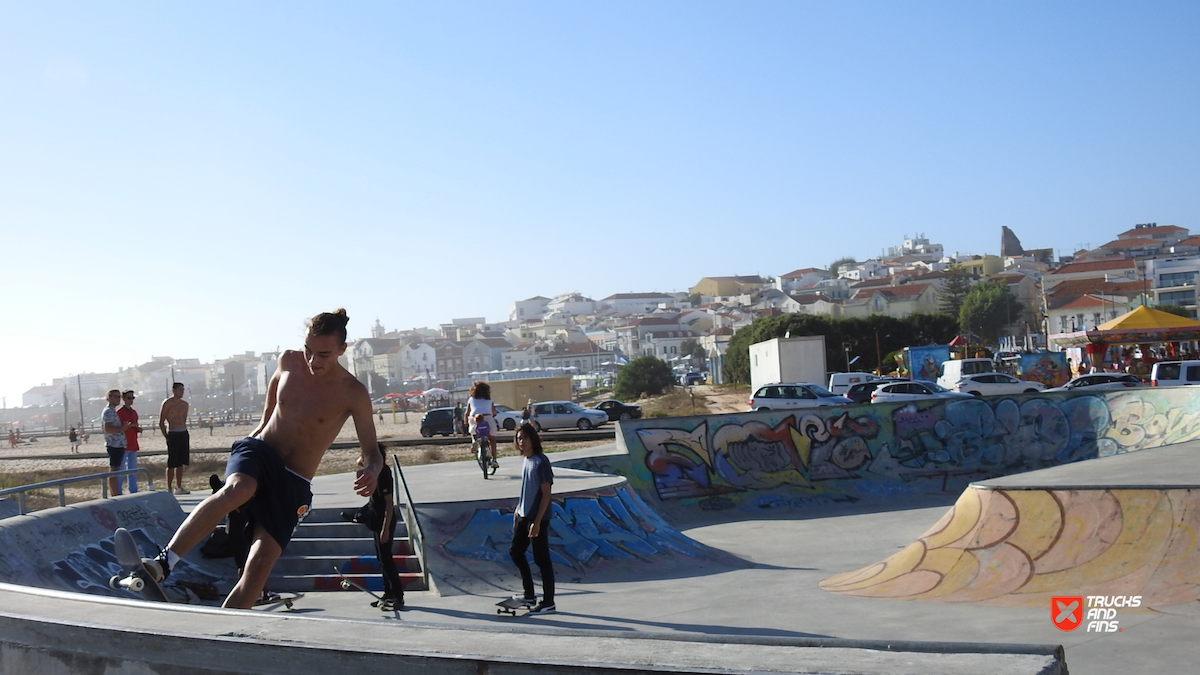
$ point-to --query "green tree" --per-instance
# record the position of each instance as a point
(987, 309)
(837, 264)
(643, 375)
(694, 298)
(1177, 310)
(956, 284)
(692, 348)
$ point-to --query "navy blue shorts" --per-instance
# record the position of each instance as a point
(115, 456)
(282, 497)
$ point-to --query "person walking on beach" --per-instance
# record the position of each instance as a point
(127, 414)
(531, 520)
(114, 439)
(74, 439)
(270, 473)
(172, 422)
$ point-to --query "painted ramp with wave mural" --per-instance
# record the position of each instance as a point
(602, 533)
(1022, 540)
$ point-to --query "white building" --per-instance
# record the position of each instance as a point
(530, 309)
(637, 303)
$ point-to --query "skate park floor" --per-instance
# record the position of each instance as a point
(790, 553)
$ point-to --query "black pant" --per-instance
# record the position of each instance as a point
(541, 556)
(392, 588)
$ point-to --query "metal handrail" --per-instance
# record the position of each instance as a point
(410, 516)
(61, 483)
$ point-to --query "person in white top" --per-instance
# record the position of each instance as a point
(480, 403)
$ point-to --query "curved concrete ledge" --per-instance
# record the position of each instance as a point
(54, 632)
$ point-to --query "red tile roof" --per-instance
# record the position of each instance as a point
(1158, 229)
(1096, 266)
(1120, 244)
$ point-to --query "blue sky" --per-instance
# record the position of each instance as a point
(196, 180)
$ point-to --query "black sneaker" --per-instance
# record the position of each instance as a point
(543, 607)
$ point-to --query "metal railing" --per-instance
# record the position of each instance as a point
(61, 484)
(415, 534)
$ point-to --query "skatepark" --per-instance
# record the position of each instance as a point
(874, 539)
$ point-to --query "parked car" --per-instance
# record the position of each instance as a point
(566, 414)
(437, 421)
(786, 395)
(990, 384)
(692, 378)
(1175, 373)
(916, 390)
(507, 419)
(956, 369)
(617, 410)
(861, 392)
(1098, 381)
(840, 383)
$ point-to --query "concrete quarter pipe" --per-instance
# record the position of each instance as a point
(1021, 540)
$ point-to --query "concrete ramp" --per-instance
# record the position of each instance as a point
(1123, 525)
(70, 548)
(600, 531)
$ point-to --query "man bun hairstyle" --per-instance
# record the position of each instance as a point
(330, 323)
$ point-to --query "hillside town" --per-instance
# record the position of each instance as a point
(589, 339)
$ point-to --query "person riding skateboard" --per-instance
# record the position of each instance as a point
(270, 472)
(531, 521)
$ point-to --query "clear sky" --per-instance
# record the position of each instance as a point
(195, 179)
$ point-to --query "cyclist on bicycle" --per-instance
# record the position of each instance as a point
(480, 404)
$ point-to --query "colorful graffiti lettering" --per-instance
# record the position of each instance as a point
(853, 450)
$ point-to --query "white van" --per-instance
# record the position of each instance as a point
(1175, 373)
(954, 369)
(840, 383)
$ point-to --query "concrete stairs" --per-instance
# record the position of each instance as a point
(324, 541)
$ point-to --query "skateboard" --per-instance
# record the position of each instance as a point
(511, 605)
(135, 577)
(287, 599)
(347, 584)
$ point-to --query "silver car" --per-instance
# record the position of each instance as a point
(1098, 381)
(787, 395)
(916, 390)
(565, 415)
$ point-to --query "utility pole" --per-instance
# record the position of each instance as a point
(79, 389)
(65, 406)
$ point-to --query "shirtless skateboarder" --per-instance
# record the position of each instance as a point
(172, 422)
(270, 472)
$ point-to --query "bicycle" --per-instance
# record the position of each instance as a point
(479, 448)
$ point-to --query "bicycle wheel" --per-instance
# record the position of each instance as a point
(479, 448)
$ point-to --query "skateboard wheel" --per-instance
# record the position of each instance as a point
(288, 604)
(115, 583)
(345, 585)
(136, 585)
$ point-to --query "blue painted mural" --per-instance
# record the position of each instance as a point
(794, 458)
(586, 532)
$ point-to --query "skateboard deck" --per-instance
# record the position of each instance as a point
(135, 578)
(511, 605)
(275, 599)
(347, 584)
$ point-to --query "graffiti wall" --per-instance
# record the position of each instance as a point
(763, 460)
(71, 548)
(596, 535)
